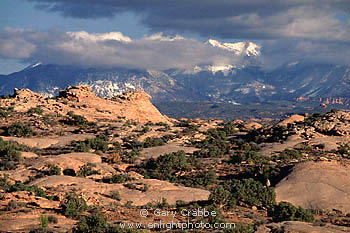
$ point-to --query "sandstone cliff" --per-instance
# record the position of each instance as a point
(135, 105)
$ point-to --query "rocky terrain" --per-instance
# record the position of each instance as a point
(82, 163)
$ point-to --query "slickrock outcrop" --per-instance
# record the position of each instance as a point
(81, 100)
(98, 193)
(300, 227)
(291, 119)
(251, 126)
(317, 185)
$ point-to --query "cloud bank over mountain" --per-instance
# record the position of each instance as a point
(290, 30)
(110, 50)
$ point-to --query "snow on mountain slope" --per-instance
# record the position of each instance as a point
(240, 48)
(118, 36)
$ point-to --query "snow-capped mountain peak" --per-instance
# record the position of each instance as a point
(240, 48)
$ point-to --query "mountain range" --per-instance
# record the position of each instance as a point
(243, 82)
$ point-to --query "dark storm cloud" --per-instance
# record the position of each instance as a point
(249, 19)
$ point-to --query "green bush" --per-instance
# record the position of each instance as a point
(241, 228)
(152, 141)
(36, 110)
(52, 219)
(249, 157)
(98, 143)
(290, 154)
(4, 182)
(87, 170)
(344, 149)
(212, 148)
(223, 198)
(4, 112)
(167, 167)
(44, 222)
(94, 223)
(51, 170)
(116, 179)
(9, 154)
(12, 205)
(18, 186)
(285, 211)
(77, 120)
(115, 195)
(199, 179)
(19, 129)
(73, 205)
(273, 134)
(251, 192)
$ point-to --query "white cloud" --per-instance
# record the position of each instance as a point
(110, 50)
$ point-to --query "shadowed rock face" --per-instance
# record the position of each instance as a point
(81, 100)
(321, 185)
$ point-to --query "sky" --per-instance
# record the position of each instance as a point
(163, 34)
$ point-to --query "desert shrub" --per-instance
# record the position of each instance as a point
(145, 129)
(19, 129)
(344, 149)
(98, 143)
(4, 182)
(273, 134)
(241, 228)
(12, 205)
(115, 195)
(152, 141)
(212, 147)
(35, 110)
(247, 146)
(265, 172)
(77, 120)
(167, 167)
(223, 198)
(49, 119)
(137, 186)
(251, 192)
(216, 133)
(87, 170)
(132, 144)
(44, 222)
(9, 154)
(249, 157)
(51, 170)
(94, 223)
(285, 211)
(290, 154)
(4, 112)
(117, 178)
(130, 157)
(199, 179)
(52, 219)
(18, 186)
(309, 120)
(73, 205)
